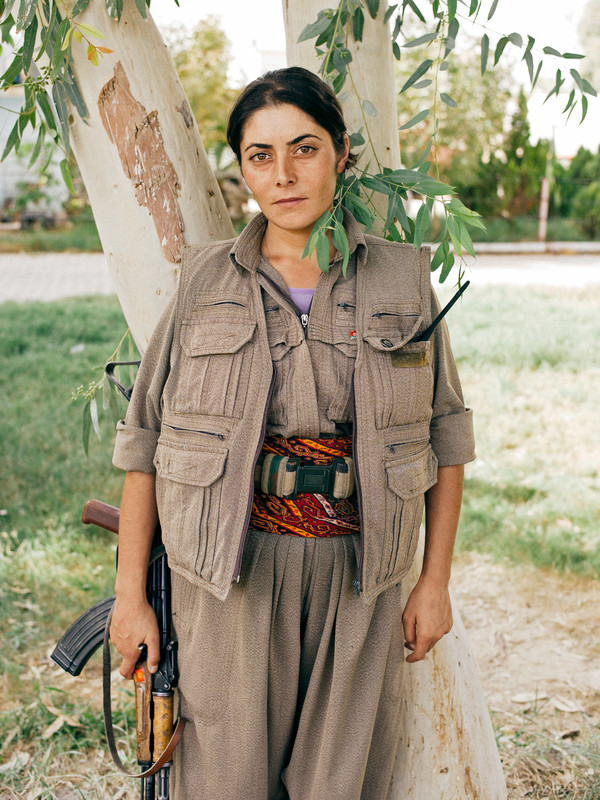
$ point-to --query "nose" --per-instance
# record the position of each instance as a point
(285, 173)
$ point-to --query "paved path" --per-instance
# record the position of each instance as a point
(50, 276)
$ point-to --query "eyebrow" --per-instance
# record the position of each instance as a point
(288, 144)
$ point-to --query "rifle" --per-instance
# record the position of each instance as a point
(153, 692)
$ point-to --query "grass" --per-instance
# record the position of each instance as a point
(525, 229)
(528, 361)
(81, 237)
(529, 367)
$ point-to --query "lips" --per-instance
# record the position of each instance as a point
(289, 202)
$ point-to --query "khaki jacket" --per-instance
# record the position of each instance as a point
(199, 410)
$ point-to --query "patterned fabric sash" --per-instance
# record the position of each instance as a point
(308, 514)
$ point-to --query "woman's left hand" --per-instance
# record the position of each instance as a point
(427, 617)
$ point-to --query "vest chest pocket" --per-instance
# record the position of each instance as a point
(188, 495)
(216, 368)
(408, 479)
(400, 371)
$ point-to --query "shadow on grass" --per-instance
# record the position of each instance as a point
(511, 521)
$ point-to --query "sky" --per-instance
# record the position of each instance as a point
(253, 27)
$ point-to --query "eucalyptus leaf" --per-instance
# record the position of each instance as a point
(485, 51)
(12, 141)
(422, 225)
(516, 39)
(388, 13)
(416, 9)
(80, 6)
(322, 248)
(500, 47)
(425, 39)
(66, 174)
(449, 101)
(528, 58)
(451, 9)
(29, 43)
(588, 88)
(439, 256)
(493, 8)
(537, 74)
(38, 146)
(358, 23)
(369, 108)
(447, 266)
(572, 55)
(415, 120)
(356, 139)
(473, 7)
(91, 30)
(315, 28)
(550, 51)
(340, 241)
(86, 428)
(373, 6)
(141, 7)
(59, 96)
(417, 74)
(584, 108)
(94, 418)
(25, 14)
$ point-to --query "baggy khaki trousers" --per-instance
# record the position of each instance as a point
(291, 686)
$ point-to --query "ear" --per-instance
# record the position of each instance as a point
(341, 165)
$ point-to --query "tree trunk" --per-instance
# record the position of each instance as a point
(143, 164)
(447, 749)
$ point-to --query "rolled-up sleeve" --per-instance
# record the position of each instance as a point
(137, 434)
(451, 430)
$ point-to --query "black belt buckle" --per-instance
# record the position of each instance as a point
(315, 478)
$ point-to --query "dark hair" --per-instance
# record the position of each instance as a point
(295, 86)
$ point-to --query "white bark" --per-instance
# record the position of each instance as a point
(371, 76)
(447, 749)
(162, 154)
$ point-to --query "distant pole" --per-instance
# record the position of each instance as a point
(545, 193)
(544, 202)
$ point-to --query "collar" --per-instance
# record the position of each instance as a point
(246, 249)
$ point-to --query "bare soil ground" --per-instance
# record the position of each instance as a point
(536, 639)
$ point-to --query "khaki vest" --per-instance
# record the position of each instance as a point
(217, 394)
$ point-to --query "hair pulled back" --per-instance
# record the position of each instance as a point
(295, 86)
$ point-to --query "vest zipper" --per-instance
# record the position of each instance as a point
(238, 561)
(304, 321)
(357, 583)
(193, 430)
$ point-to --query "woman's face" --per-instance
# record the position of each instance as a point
(290, 165)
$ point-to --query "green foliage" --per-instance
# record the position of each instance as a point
(201, 57)
(332, 31)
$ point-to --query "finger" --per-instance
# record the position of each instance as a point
(128, 665)
(410, 631)
(153, 647)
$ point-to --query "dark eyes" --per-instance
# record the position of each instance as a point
(261, 155)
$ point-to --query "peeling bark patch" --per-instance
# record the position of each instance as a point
(139, 142)
(186, 112)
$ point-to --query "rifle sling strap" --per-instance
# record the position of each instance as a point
(108, 722)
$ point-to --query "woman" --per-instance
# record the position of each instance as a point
(289, 427)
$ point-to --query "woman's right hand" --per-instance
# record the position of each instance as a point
(134, 624)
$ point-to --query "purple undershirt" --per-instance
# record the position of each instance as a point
(302, 298)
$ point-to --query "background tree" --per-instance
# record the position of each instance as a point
(589, 35)
(201, 58)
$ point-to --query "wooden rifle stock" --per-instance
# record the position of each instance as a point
(153, 693)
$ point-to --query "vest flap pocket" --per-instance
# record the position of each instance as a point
(412, 476)
(214, 338)
(192, 467)
(394, 338)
